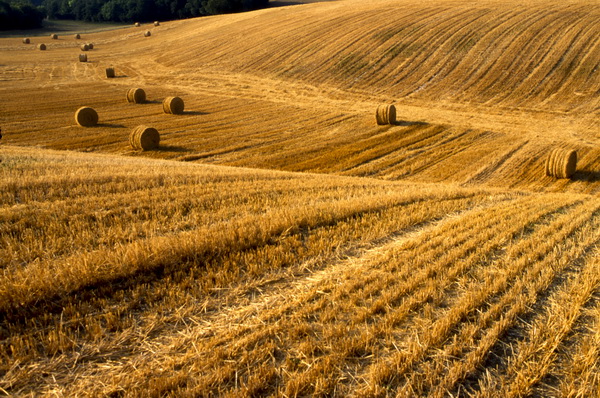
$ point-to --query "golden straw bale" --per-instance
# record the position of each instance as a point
(385, 114)
(82, 57)
(77, 36)
(137, 24)
(136, 95)
(144, 138)
(156, 23)
(550, 162)
(84, 47)
(26, 40)
(54, 36)
(569, 164)
(173, 105)
(86, 117)
(561, 163)
(147, 33)
(41, 46)
(110, 72)
(90, 46)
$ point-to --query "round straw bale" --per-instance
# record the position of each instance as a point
(550, 162)
(136, 95)
(90, 46)
(385, 114)
(173, 105)
(86, 117)
(82, 57)
(77, 36)
(84, 47)
(156, 23)
(41, 46)
(26, 40)
(147, 33)
(561, 163)
(110, 72)
(137, 24)
(54, 36)
(144, 138)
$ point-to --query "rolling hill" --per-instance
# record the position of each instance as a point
(281, 243)
(493, 86)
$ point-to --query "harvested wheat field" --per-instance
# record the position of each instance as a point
(279, 241)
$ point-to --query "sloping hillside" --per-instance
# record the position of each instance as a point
(430, 257)
(492, 86)
(145, 277)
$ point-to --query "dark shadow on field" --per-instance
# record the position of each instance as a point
(173, 148)
(64, 27)
(407, 123)
(191, 113)
(192, 157)
(586, 176)
(110, 125)
(283, 3)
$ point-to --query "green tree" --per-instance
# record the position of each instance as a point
(21, 15)
(144, 10)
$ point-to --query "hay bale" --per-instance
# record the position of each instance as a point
(54, 36)
(147, 33)
(82, 57)
(385, 114)
(173, 105)
(110, 72)
(144, 138)
(137, 24)
(90, 46)
(41, 46)
(26, 40)
(86, 117)
(561, 163)
(77, 36)
(156, 23)
(84, 47)
(136, 95)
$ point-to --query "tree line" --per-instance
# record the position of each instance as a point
(23, 15)
(20, 15)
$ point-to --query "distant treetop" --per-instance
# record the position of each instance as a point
(144, 10)
(20, 15)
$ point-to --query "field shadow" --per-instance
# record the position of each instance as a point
(586, 176)
(192, 157)
(407, 123)
(63, 27)
(191, 113)
(283, 3)
(173, 148)
(110, 125)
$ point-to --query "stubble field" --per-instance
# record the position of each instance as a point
(279, 242)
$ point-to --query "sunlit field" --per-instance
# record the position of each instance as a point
(279, 242)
